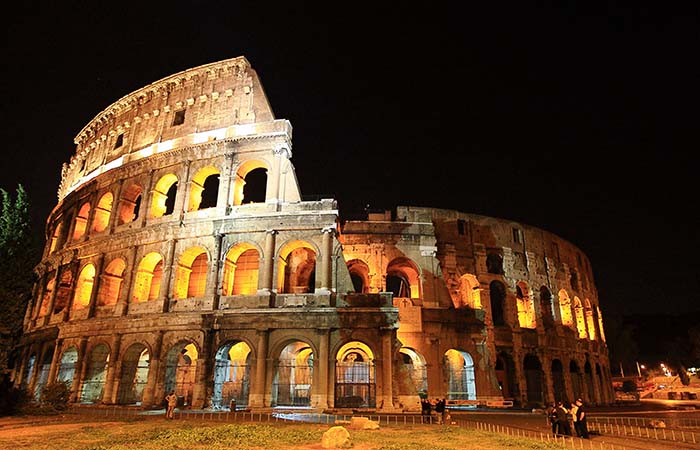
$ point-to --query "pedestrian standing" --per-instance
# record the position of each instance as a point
(581, 420)
(563, 426)
(552, 417)
(572, 418)
(172, 402)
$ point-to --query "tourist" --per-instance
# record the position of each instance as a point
(572, 418)
(552, 417)
(582, 429)
(563, 426)
(172, 402)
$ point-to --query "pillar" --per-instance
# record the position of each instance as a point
(326, 259)
(321, 385)
(258, 384)
(81, 367)
(55, 361)
(112, 379)
(268, 263)
(213, 286)
(387, 365)
(167, 284)
(149, 392)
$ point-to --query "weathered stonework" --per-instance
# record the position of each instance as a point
(164, 272)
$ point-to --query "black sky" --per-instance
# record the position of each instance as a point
(577, 117)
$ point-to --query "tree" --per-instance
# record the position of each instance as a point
(18, 256)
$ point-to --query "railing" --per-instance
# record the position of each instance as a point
(645, 432)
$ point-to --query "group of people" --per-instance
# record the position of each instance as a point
(438, 405)
(564, 420)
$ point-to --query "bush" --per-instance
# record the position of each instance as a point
(55, 396)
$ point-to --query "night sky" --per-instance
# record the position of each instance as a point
(580, 118)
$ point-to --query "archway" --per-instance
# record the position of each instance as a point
(565, 309)
(497, 293)
(191, 274)
(355, 376)
(534, 379)
(293, 377)
(241, 270)
(250, 183)
(43, 375)
(417, 370)
(580, 319)
(526, 308)
(459, 373)
(103, 210)
(297, 268)
(505, 375)
(64, 289)
(576, 380)
(83, 290)
(180, 371)
(135, 367)
(546, 307)
(66, 368)
(29, 371)
(130, 204)
(95, 375)
(163, 196)
(588, 376)
(204, 189)
(231, 375)
(359, 274)
(111, 283)
(558, 381)
(403, 278)
(81, 222)
(148, 277)
(469, 292)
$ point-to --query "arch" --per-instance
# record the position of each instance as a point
(47, 293)
(565, 309)
(55, 238)
(148, 278)
(29, 371)
(83, 290)
(81, 221)
(64, 289)
(526, 307)
(250, 183)
(191, 273)
(293, 375)
(470, 291)
(494, 263)
(558, 380)
(359, 274)
(130, 204)
(297, 268)
(588, 377)
(231, 375)
(505, 375)
(355, 376)
(43, 375)
(497, 294)
(403, 278)
(134, 375)
(111, 282)
(459, 373)
(241, 270)
(600, 323)
(204, 189)
(163, 196)
(66, 366)
(546, 307)
(580, 319)
(417, 369)
(181, 370)
(103, 211)
(534, 378)
(95, 375)
(590, 321)
(576, 379)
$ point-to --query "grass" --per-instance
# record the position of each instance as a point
(158, 434)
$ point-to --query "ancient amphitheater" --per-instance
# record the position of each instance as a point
(182, 256)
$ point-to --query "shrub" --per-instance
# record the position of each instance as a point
(55, 396)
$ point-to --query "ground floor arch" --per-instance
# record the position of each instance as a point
(231, 375)
(459, 373)
(66, 367)
(180, 371)
(293, 376)
(417, 370)
(95, 375)
(134, 375)
(534, 379)
(42, 377)
(355, 382)
(505, 375)
(558, 381)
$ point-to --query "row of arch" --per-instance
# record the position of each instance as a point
(583, 317)
(249, 186)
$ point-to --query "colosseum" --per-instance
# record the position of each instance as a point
(181, 256)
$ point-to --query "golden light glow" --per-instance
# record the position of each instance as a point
(470, 291)
(128, 203)
(239, 182)
(197, 187)
(359, 273)
(160, 195)
(111, 283)
(600, 323)
(83, 290)
(81, 221)
(241, 268)
(565, 309)
(191, 274)
(354, 347)
(580, 319)
(54, 238)
(526, 307)
(100, 221)
(590, 323)
(406, 273)
(148, 277)
(296, 268)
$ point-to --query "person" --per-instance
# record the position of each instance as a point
(581, 419)
(172, 402)
(439, 410)
(572, 418)
(563, 426)
(425, 407)
(552, 417)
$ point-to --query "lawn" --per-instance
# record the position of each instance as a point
(75, 433)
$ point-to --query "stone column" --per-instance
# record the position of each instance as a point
(116, 203)
(213, 289)
(167, 284)
(548, 379)
(266, 285)
(56, 286)
(203, 383)
(259, 383)
(319, 398)
(112, 379)
(149, 392)
(55, 361)
(122, 306)
(518, 362)
(326, 259)
(81, 368)
(281, 153)
(387, 364)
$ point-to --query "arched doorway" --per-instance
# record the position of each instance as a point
(403, 278)
(66, 368)
(505, 374)
(558, 381)
(534, 379)
(180, 371)
(293, 378)
(576, 380)
(459, 373)
(497, 293)
(297, 268)
(417, 370)
(95, 375)
(135, 367)
(589, 381)
(355, 376)
(359, 274)
(231, 375)
(43, 375)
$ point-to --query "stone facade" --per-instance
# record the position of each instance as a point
(181, 257)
